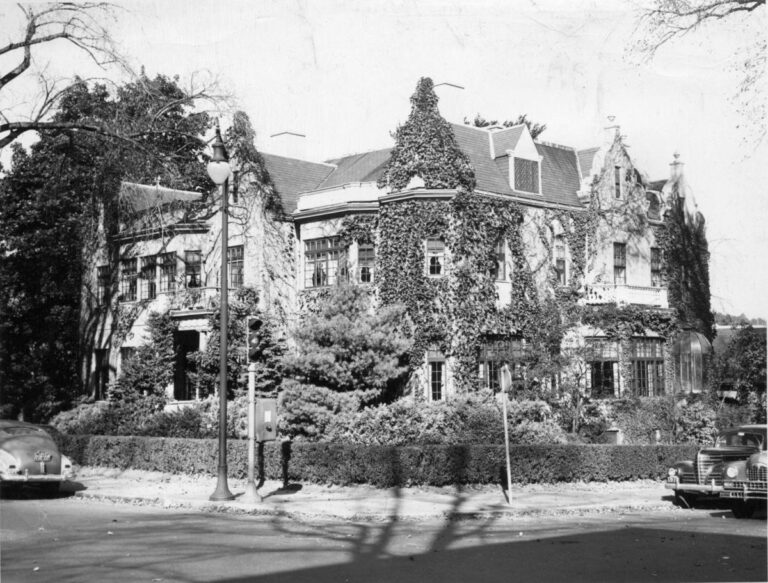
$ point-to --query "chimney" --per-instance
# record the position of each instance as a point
(611, 131)
(676, 168)
(288, 144)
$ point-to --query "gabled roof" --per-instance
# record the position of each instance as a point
(291, 177)
(140, 197)
(505, 139)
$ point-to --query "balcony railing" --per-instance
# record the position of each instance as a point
(626, 294)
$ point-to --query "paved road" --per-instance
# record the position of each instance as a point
(68, 539)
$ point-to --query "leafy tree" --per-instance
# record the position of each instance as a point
(536, 129)
(742, 364)
(49, 205)
(426, 147)
(347, 348)
(663, 21)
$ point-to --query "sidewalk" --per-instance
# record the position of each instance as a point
(367, 503)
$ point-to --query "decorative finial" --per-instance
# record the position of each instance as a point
(611, 118)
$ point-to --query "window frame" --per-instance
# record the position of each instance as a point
(366, 260)
(193, 258)
(235, 266)
(148, 277)
(325, 253)
(657, 275)
(499, 269)
(560, 252)
(103, 277)
(647, 366)
(435, 248)
(525, 168)
(128, 279)
(167, 264)
(619, 263)
(617, 190)
(603, 356)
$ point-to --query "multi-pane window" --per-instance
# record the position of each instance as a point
(656, 275)
(235, 266)
(648, 367)
(167, 266)
(617, 181)
(562, 278)
(102, 284)
(149, 277)
(499, 269)
(603, 366)
(365, 259)
(435, 257)
(620, 263)
(193, 265)
(321, 261)
(526, 175)
(494, 353)
(128, 276)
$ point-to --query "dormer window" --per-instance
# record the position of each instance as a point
(526, 175)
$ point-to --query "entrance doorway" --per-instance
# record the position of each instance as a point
(185, 370)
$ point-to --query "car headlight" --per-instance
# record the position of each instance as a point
(8, 463)
(731, 472)
(672, 472)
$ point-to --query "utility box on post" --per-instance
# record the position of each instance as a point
(266, 419)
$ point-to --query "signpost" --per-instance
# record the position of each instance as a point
(505, 378)
(262, 426)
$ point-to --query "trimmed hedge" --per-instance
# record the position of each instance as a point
(382, 466)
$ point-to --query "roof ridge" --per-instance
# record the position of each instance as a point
(297, 159)
(359, 154)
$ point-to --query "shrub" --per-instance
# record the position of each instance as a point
(186, 422)
(307, 410)
(87, 418)
(383, 466)
(639, 417)
(696, 423)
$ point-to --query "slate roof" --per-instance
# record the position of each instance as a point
(586, 157)
(560, 170)
(365, 167)
(140, 197)
(291, 177)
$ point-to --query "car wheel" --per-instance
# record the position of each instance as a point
(49, 489)
(743, 508)
(685, 499)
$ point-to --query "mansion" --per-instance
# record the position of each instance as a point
(166, 259)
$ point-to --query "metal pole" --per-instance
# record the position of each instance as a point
(251, 494)
(506, 384)
(222, 489)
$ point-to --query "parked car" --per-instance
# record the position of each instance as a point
(28, 455)
(745, 484)
(704, 476)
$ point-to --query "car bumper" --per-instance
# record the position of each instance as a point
(745, 491)
(32, 478)
(675, 484)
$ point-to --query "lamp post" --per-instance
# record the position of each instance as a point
(219, 170)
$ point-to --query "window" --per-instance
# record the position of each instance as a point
(526, 175)
(603, 367)
(102, 285)
(101, 373)
(321, 261)
(497, 351)
(435, 257)
(648, 367)
(619, 263)
(128, 279)
(562, 278)
(617, 181)
(654, 208)
(149, 277)
(193, 263)
(235, 266)
(436, 367)
(167, 263)
(656, 275)
(365, 259)
(499, 269)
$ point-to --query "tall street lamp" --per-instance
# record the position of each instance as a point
(219, 170)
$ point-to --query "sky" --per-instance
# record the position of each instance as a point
(341, 72)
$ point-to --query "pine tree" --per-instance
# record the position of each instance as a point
(426, 147)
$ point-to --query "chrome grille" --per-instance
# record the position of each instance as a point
(704, 464)
(757, 474)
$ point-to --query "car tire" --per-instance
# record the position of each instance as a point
(49, 489)
(742, 509)
(685, 499)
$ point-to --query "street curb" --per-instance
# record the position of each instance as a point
(252, 510)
